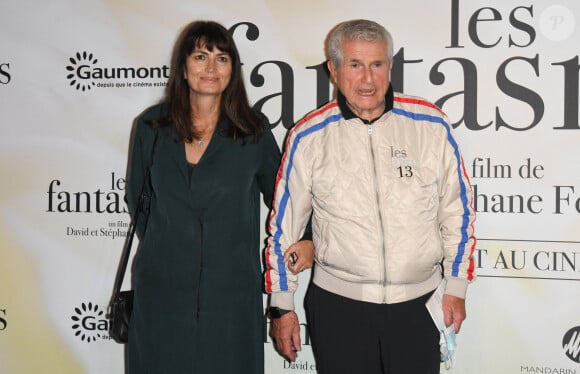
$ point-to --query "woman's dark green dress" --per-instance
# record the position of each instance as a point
(197, 273)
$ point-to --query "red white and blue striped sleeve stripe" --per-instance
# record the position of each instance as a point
(276, 277)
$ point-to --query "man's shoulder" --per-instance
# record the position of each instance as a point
(319, 117)
(415, 104)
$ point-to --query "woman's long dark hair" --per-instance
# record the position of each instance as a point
(234, 104)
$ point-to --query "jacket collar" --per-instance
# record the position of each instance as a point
(347, 113)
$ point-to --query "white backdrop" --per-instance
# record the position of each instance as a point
(73, 75)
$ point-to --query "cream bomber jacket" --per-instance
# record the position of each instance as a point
(391, 204)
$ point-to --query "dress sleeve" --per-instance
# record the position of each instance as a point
(268, 166)
(139, 153)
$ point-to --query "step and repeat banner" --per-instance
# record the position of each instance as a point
(74, 74)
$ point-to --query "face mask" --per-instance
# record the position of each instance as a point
(447, 345)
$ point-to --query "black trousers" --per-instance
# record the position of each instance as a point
(355, 337)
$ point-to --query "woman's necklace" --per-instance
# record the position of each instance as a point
(201, 142)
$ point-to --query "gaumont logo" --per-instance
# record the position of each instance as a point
(79, 68)
(89, 323)
(571, 344)
(85, 72)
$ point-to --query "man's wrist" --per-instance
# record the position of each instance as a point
(456, 287)
(275, 312)
(282, 299)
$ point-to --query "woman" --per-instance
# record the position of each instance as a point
(197, 276)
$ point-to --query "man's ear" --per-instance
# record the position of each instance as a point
(331, 70)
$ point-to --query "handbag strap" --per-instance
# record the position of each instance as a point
(132, 226)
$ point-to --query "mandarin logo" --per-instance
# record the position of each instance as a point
(79, 63)
(89, 323)
(571, 344)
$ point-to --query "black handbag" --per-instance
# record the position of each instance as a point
(121, 304)
(119, 316)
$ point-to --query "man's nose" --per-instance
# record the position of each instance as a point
(367, 74)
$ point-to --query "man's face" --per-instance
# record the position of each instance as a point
(363, 76)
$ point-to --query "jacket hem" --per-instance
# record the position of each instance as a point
(374, 292)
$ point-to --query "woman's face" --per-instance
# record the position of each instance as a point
(208, 72)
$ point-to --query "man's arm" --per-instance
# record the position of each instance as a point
(456, 218)
(291, 210)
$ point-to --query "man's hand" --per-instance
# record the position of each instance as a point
(453, 311)
(300, 256)
(285, 332)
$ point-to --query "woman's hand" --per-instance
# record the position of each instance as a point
(300, 256)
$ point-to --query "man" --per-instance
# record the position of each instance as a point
(391, 208)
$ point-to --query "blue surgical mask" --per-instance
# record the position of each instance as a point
(447, 345)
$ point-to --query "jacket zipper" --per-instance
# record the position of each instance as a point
(377, 195)
(200, 272)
